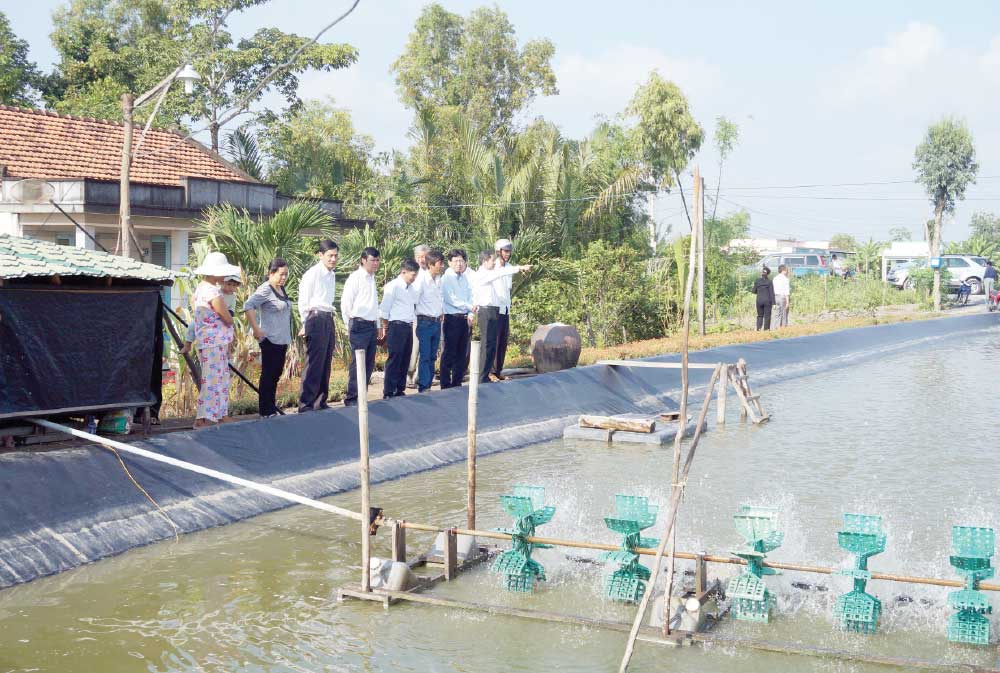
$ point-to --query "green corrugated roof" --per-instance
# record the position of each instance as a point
(25, 257)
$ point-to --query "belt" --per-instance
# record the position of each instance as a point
(426, 317)
(362, 320)
(400, 322)
(490, 308)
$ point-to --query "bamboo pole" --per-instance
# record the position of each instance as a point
(701, 255)
(691, 556)
(474, 357)
(366, 550)
(675, 472)
(208, 472)
(720, 396)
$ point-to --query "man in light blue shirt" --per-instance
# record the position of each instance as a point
(458, 315)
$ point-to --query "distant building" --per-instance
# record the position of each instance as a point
(76, 162)
(768, 245)
(903, 251)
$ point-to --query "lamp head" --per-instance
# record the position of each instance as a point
(189, 77)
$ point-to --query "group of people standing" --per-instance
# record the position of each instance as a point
(771, 293)
(427, 308)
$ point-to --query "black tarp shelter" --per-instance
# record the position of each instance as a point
(80, 330)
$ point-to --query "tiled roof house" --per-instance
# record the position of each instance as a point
(76, 163)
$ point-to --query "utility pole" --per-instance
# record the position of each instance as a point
(700, 225)
(651, 202)
(125, 235)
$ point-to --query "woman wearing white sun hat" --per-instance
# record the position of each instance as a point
(213, 331)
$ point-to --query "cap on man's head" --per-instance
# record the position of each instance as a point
(503, 244)
(235, 279)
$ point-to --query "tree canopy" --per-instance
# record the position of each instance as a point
(110, 47)
(19, 77)
(667, 135)
(473, 63)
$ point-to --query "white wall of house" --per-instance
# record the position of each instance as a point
(10, 223)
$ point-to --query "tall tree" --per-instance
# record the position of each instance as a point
(316, 152)
(666, 134)
(945, 163)
(727, 136)
(19, 77)
(110, 47)
(473, 63)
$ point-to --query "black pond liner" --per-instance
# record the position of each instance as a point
(61, 509)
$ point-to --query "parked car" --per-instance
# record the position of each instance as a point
(899, 275)
(963, 268)
(801, 264)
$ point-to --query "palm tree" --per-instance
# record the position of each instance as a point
(243, 151)
(868, 255)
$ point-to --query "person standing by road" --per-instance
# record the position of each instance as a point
(269, 312)
(989, 280)
(359, 309)
(398, 313)
(458, 316)
(782, 294)
(430, 306)
(317, 290)
(503, 287)
(764, 289)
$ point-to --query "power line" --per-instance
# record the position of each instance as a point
(845, 184)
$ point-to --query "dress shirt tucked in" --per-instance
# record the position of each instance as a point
(431, 295)
(399, 301)
(360, 297)
(485, 282)
(317, 289)
(457, 293)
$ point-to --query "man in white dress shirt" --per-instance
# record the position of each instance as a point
(782, 295)
(317, 290)
(430, 307)
(503, 286)
(359, 309)
(487, 306)
(398, 313)
(458, 316)
(420, 257)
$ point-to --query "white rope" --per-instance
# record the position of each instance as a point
(208, 472)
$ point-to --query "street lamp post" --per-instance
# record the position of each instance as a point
(184, 73)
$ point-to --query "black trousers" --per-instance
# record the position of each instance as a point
(363, 336)
(489, 321)
(454, 354)
(503, 334)
(320, 340)
(399, 341)
(763, 315)
(272, 363)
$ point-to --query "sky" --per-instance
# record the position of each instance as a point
(835, 96)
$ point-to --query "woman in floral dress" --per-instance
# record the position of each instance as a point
(213, 331)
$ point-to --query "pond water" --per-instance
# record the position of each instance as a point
(908, 436)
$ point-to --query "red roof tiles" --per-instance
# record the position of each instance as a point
(46, 145)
